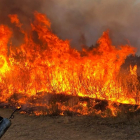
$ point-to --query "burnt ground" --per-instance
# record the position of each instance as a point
(26, 127)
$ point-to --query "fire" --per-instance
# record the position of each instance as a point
(14, 19)
(133, 70)
(35, 70)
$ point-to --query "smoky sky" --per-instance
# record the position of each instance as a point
(81, 21)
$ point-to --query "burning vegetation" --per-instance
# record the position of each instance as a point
(44, 75)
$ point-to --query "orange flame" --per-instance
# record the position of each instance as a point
(133, 70)
(52, 66)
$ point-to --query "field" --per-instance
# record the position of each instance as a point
(123, 127)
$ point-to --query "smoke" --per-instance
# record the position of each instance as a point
(82, 22)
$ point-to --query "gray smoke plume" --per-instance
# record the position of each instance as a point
(82, 21)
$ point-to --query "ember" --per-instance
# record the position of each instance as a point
(50, 77)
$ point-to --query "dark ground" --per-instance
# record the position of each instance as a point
(25, 127)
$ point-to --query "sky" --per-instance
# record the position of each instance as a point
(85, 22)
(82, 21)
(137, 1)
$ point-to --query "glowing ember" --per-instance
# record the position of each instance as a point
(35, 71)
